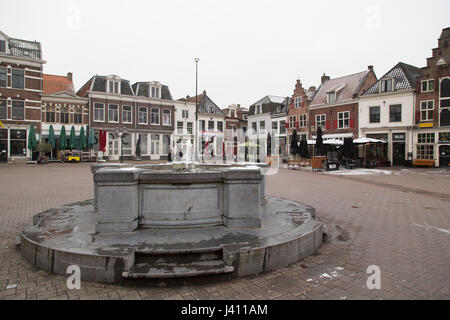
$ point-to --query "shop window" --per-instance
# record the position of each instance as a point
(144, 138)
(425, 151)
(18, 143)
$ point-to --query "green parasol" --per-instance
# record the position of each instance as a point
(82, 139)
(32, 143)
(51, 137)
(72, 139)
(62, 139)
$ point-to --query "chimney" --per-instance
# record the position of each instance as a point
(370, 68)
(324, 78)
(187, 97)
(69, 76)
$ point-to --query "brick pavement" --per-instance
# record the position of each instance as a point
(370, 221)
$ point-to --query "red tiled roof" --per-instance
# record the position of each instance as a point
(53, 84)
(192, 99)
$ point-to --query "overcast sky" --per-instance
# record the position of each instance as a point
(247, 49)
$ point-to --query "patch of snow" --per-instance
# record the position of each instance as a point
(325, 275)
(432, 228)
(360, 171)
(309, 280)
(11, 286)
(339, 268)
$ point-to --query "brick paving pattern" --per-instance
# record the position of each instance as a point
(399, 222)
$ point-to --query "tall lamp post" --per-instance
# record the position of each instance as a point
(196, 110)
(122, 140)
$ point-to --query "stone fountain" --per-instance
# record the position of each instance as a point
(173, 220)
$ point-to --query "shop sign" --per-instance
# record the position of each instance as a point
(398, 136)
(426, 125)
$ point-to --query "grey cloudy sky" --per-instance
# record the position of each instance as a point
(247, 49)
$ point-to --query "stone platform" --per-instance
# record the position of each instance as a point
(66, 236)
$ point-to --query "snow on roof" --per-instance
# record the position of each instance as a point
(277, 99)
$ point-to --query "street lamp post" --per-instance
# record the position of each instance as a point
(196, 110)
(122, 141)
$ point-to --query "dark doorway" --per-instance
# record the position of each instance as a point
(3, 145)
(398, 153)
(444, 156)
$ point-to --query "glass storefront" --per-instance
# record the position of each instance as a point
(18, 143)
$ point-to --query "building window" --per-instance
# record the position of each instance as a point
(155, 116)
(2, 109)
(344, 120)
(331, 97)
(374, 114)
(189, 127)
(302, 120)
(18, 78)
(444, 118)
(425, 151)
(211, 109)
(2, 46)
(203, 125)
(113, 113)
(143, 145)
(142, 115)
(113, 86)
(426, 110)
(18, 143)
(258, 109)
(275, 126)
(254, 127)
(185, 114)
(155, 92)
(445, 93)
(64, 115)
(233, 113)
(166, 121)
(2, 77)
(180, 127)
(78, 115)
(244, 117)
(282, 126)
(220, 126)
(155, 144)
(427, 85)
(18, 110)
(320, 120)
(166, 144)
(210, 125)
(292, 120)
(386, 85)
(50, 114)
(126, 114)
(262, 126)
(99, 112)
(297, 102)
(395, 113)
(425, 137)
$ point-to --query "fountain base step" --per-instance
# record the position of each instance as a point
(163, 270)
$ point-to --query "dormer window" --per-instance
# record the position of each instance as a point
(113, 86)
(331, 97)
(155, 92)
(2, 46)
(244, 117)
(233, 115)
(297, 102)
(386, 85)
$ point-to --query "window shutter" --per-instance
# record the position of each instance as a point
(327, 124)
(287, 125)
(352, 122)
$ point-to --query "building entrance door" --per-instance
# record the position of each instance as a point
(444, 156)
(398, 153)
(3, 145)
(113, 146)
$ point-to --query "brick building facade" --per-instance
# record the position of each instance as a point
(21, 67)
(432, 112)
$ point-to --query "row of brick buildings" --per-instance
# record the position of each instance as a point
(146, 110)
(408, 107)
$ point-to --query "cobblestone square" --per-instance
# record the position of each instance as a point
(397, 219)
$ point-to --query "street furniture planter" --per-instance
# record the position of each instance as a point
(317, 163)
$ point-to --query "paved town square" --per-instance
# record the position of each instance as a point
(397, 219)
